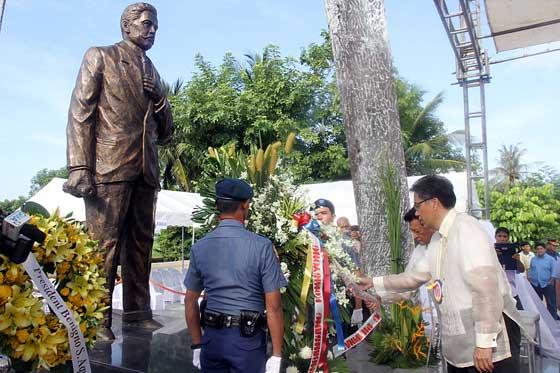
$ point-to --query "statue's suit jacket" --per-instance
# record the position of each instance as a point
(113, 126)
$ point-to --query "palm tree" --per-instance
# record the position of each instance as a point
(510, 169)
(426, 145)
(173, 168)
(174, 88)
(251, 60)
(174, 173)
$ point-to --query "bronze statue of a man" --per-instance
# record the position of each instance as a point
(118, 115)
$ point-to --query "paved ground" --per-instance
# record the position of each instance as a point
(166, 350)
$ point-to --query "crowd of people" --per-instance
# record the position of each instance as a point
(457, 266)
(542, 269)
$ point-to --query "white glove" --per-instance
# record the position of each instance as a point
(196, 357)
(273, 364)
(357, 317)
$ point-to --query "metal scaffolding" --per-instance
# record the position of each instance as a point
(513, 25)
(463, 28)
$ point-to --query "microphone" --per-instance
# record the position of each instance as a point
(18, 236)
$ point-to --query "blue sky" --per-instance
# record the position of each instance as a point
(42, 44)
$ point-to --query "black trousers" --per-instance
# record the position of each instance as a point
(509, 365)
(548, 293)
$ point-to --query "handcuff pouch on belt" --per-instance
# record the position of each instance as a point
(213, 319)
(249, 323)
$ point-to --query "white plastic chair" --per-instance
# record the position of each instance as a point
(156, 299)
(530, 321)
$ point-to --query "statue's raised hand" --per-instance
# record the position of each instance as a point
(80, 184)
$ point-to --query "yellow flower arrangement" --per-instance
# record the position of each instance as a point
(401, 341)
(33, 338)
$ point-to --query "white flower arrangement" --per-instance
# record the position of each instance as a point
(267, 213)
(292, 369)
(305, 353)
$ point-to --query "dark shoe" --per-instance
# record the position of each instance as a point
(150, 325)
(105, 334)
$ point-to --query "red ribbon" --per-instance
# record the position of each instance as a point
(157, 284)
(326, 296)
(361, 334)
(302, 218)
(318, 322)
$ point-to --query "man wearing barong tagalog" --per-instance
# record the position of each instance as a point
(423, 236)
(480, 325)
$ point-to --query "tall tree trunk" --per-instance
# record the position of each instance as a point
(364, 75)
(2, 6)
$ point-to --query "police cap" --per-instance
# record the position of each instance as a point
(321, 202)
(234, 190)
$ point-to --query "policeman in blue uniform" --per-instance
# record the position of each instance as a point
(241, 277)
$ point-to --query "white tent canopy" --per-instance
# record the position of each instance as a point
(341, 194)
(173, 208)
(522, 23)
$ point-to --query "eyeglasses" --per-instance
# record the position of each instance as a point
(417, 204)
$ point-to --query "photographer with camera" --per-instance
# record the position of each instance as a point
(511, 268)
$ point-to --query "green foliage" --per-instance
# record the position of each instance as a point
(544, 175)
(530, 213)
(268, 96)
(10, 205)
(232, 103)
(391, 188)
(44, 176)
(168, 244)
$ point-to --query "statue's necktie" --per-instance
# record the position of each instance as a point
(146, 66)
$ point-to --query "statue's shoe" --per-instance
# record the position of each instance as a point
(105, 334)
(150, 324)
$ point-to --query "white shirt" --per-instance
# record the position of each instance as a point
(475, 289)
(526, 260)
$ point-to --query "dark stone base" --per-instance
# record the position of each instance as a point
(143, 349)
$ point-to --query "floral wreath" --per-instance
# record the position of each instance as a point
(32, 336)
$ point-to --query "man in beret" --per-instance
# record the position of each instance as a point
(324, 211)
(241, 276)
(325, 214)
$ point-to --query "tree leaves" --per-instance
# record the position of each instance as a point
(530, 213)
